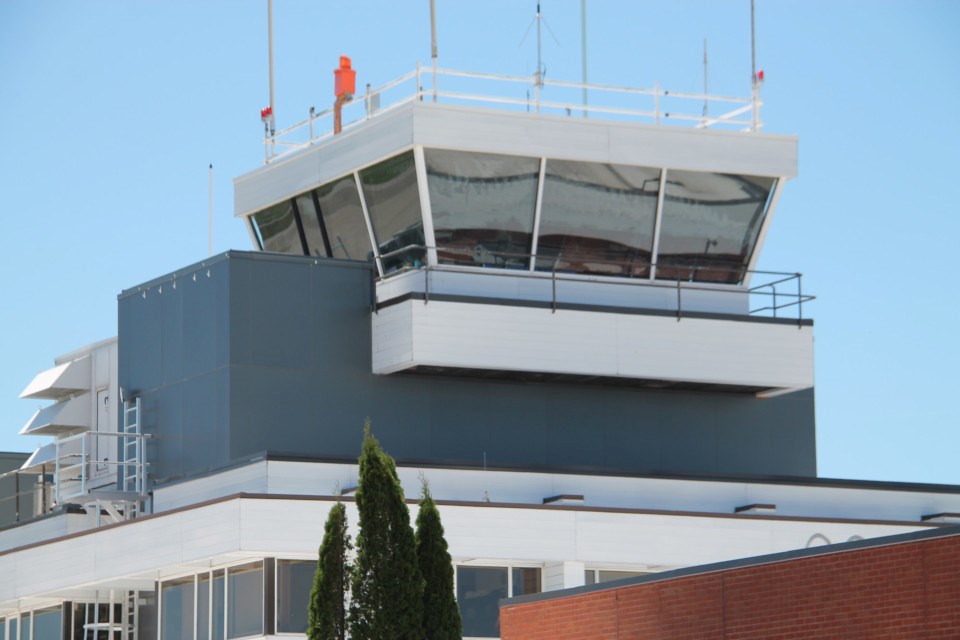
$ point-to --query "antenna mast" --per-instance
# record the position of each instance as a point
(583, 50)
(754, 85)
(270, 53)
(210, 241)
(433, 44)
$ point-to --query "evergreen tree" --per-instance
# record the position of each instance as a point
(331, 582)
(387, 587)
(441, 615)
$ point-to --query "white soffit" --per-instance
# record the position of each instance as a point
(70, 377)
(62, 417)
(43, 455)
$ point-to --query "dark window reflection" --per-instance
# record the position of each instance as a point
(526, 580)
(343, 217)
(311, 225)
(47, 624)
(176, 622)
(294, 582)
(710, 225)
(483, 207)
(245, 606)
(597, 218)
(278, 229)
(393, 202)
(479, 591)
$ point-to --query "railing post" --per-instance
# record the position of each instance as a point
(554, 284)
(774, 287)
(679, 303)
(799, 301)
(419, 92)
(56, 471)
(656, 102)
(83, 463)
(313, 111)
(16, 496)
(426, 284)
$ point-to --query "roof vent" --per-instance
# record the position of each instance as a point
(944, 518)
(756, 508)
(564, 499)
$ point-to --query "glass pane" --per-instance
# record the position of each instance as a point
(47, 624)
(710, 225)
(483, 207)
(607, 576)
(589, 576)
(245, 601)
(311, 225)
(25, 626)
(343, 217)
(278, 229)
(176, 621)
(526, 581)
(12, 630)
(598, 218)
(393, 202)
(203, 608)
(219, 616)
(479, 591)
(294, 582)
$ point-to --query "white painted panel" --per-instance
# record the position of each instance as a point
(250, 478)
(487, 336)
(514, 133)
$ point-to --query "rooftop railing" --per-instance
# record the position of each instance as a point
(532, 93)
(773, 294)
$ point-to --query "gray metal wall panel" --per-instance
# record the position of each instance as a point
(299, 380)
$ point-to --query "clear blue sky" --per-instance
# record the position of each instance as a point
(113, 110)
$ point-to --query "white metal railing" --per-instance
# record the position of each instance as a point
(520, 93)
(75, 471)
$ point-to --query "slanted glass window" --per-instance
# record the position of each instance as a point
(483, 207)
(294, 582)
(597, 218)
(278, 229)
(710, 225)
(479, 591)
(311, 225)
(176, 617)
(12, 629)
(343, 217)
(47, 624)
(393, 202)
(245, 601)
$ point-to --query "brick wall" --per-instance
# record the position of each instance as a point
(906, 590)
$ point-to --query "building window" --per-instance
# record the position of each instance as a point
(480, 589)
(176, 606)
(597, 218)
(596, 576)
(393, 202)
(277, 228)
(343, 219)
(47, 624)
(294, 582)
(244, 600)
(482, 206)
(710, 224)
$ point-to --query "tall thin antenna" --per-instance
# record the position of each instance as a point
(583, 50)
(705, 91)
(273, 105)
(210, 241)
(754, 85)
(539, 17)
(433, 44)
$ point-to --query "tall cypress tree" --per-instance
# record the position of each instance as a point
(441, 615)
(331, 582)
(387, 587)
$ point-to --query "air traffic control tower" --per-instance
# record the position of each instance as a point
(527, 285)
